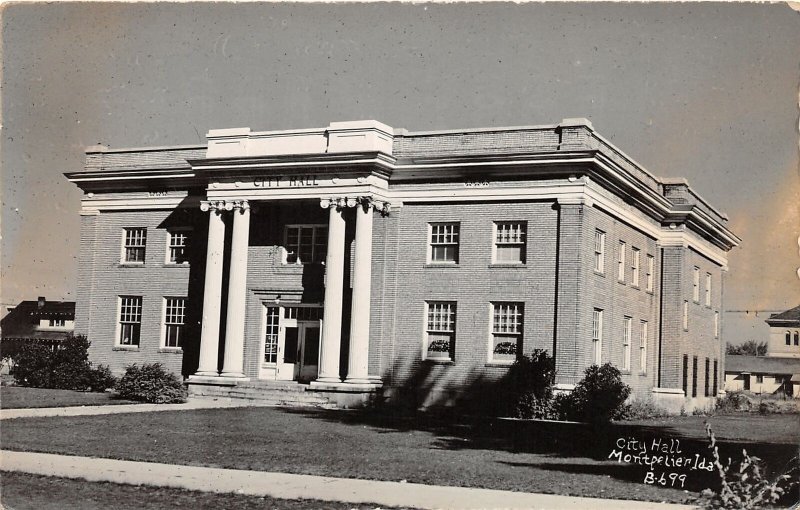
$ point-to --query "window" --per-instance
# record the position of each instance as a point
(599, 251)
(650, 271)
(643, 334)
(796, 338)
(708, 289)
(706, 387)
(440, 330)
(597, 335)
(506, 331)
(444, 242)
(174, 319)
(760, 378)
(509, 242)
(130, 320)
(58, 323)
(177, 243)
(694, 376)
(696, 284)
(271, 335)
(134, 244)
(306, 244)
(635, 267)
(685, 374)
(788, 338)
(716, 324)
(621, 262)
(714, 387)
(686, 315)
(626, 343)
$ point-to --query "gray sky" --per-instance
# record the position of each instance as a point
(704, 91)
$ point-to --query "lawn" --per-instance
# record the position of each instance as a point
(530, 457)
(23, 491)
(18, 397)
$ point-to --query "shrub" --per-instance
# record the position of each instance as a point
(600, 396)
(644, 409)
(33, 366)
(744, 486)
(151, 383)
(734, 401)
(530, 385)
(100, 378)
(61, 366)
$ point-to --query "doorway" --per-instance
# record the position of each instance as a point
(291, 343)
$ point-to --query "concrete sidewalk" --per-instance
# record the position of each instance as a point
(288, 486)
(192, 404)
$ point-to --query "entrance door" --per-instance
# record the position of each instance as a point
(298, 351)
(309, 351)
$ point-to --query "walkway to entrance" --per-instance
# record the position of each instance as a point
(288, 486)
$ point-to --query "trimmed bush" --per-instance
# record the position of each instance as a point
(642, 410)
(600, 396)
(64, 365)
(100, 378)
(151, 383)
(530, 385)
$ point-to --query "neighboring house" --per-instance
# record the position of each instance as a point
(784, 334)
(39, 319)
(762, 374)
(361, 258)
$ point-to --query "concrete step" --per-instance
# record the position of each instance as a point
(289, 394)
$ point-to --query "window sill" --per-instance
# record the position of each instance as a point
(642, 374)
(171, 350)
(125, 348)
(508, 265)
(442, 265)
(130, 264)
(172, 264)
(625, 372)
(436, 361)
(636, 287)
(499, 364)
(598, 273)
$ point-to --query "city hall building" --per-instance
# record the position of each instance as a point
(362, 261)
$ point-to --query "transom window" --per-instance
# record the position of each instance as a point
(507, 321)
(177, 243)
(627, 323)
(597, 335)
(444, 242)
(306, 244)
(134, 245)
(130, 320)
(440, 330)
(303, 313)
(509, 242)
(271, 339)
(599, 251)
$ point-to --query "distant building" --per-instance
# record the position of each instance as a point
(359, 259)
(762, 374)
(39, 319)
(784, 334)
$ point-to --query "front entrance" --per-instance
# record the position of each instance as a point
(291, 343)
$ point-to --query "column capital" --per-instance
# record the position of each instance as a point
(224, 205)
(364, 201)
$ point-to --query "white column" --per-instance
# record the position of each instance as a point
(357, 369)
(334, 286)
(233, 364)
(212, 293)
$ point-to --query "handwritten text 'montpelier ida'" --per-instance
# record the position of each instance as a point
(662, 454)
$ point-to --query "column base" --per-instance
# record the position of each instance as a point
(235, 375)
(205, 373)
(326, 380)
(359, 380)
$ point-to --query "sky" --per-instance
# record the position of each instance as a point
(704, 91)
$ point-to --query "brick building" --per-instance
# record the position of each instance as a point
(363, 259)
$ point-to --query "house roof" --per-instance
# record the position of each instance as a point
(23, 319)
(761, 364)
(790, 317)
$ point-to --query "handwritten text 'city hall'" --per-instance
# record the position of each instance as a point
(660, 453)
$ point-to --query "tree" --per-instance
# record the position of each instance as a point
(749, 348)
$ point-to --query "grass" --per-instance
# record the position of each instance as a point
(22, 491)
(530, 457)
(18, 397)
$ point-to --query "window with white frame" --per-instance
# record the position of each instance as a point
(130, 320)
(58, 323)
(444, 239)
(643, 334)
(708, 289)
(509, 242)
(627, 325)
(440, 330)
(686, 315)
(177, 246)
(650, 272)
(271, 334)
(621, 262)
(507, 323)
(306, 244)
(635, 266)
(174, 320)
(133, 245)
(599, 251)
(597, 335)
(696, 284)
